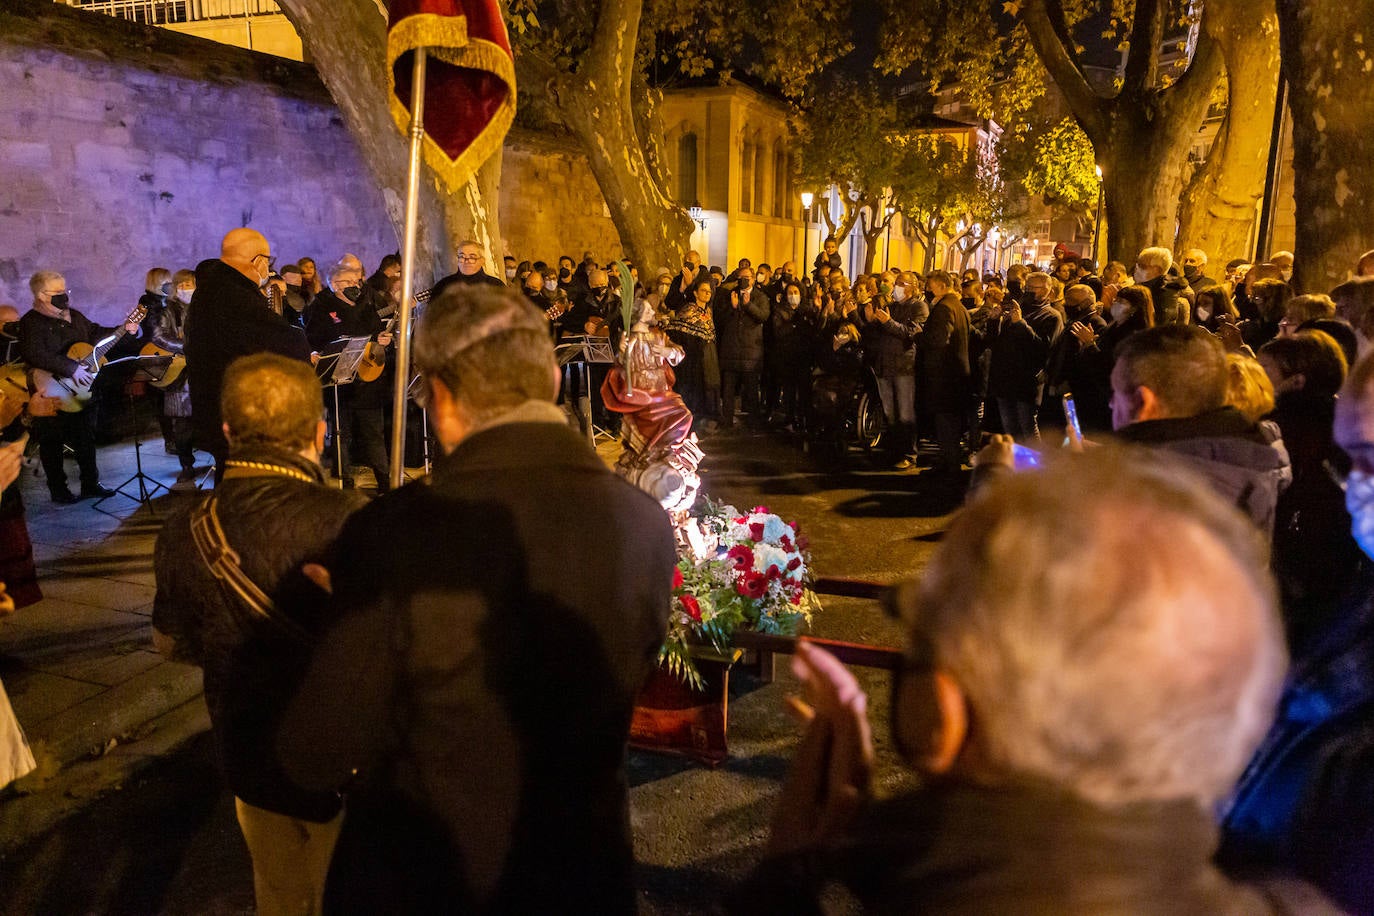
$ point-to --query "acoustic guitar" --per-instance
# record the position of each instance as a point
(176, 364)
(70, 394)
(373, 360)
(14, 392)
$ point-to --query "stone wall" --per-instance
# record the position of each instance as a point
(125, 148)
(551, 204)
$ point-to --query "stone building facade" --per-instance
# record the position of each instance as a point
(126, 148)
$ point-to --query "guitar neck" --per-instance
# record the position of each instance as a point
(105, 346)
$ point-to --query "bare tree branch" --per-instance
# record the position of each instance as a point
(1086, 105)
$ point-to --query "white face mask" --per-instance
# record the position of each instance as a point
(1140, 275)
(899, 294)
(550, 285)
(1120, 310)
(510, 273)
(1203, 314)
(185, 295)
(794, 299)
(1286, 275)
(1359, 502)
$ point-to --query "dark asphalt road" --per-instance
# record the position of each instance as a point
(168, 842)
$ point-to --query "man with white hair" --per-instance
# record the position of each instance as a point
(1153, 271)
(1091, 657)
(1194, 262)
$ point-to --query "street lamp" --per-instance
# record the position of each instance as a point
(807, 199)
(887, 246)
(1097, 221)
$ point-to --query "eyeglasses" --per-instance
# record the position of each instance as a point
(271, 261)
(469, 258)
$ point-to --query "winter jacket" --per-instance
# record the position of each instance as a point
(943, 361)
(229, 317)
(889, 346)
(276, 523)
(1232, 453)
(1166, 292)
(739, 329)
(1021, 352)
(964, 850)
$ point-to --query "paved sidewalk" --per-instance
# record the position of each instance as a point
(94, 698)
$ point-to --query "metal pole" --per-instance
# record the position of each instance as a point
(403, 328)
(1097, 227)
(1265, 236)
(806, 246)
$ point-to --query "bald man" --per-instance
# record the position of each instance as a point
(229, 317)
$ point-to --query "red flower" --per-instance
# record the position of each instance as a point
(786, 543)
(742, 556)
(796, 562)
(677, 578)
(756, 531)
(689, 604)
(760, 510)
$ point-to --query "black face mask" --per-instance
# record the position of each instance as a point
(599, 291)
(564, 274)
(1192, 272)
(61, 301)
(532, 293)
(165, 289)
(352, 293)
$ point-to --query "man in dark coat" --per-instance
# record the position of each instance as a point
(46, 333)
(275, 511)
(471, 272)
(230, 317)
(1073, 716)
(1021, 345)
(476, 693)
(344, 308)
(944, 368)
(741, 310)
(1154, 271)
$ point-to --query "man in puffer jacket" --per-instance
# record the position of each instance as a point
(274, 510)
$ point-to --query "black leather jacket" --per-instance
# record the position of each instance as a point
(276, 523)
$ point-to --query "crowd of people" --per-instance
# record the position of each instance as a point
(1135, 679)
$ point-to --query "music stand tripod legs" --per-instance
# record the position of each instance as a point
(147, 486)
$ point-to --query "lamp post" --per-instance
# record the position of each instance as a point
(807, 199)
(887, 245)
(1097, 221)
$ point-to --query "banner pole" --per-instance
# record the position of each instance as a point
(404, 326)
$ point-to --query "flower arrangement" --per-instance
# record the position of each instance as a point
(735, 570)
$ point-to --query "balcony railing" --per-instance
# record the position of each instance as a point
(163, 12)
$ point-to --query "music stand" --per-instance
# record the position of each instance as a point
(148, 487)
(340, 367)
(577, 354)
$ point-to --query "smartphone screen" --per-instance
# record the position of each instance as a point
(1071, 414)
(1023, 458)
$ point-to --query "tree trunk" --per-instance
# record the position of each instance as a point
(346, 41)
(596, 103)
(1141, 135)
(1142, 176)
(1218, 208)
(1328, 64)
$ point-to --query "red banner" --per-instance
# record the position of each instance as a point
(469, 81)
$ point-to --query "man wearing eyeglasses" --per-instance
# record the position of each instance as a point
(229, 316)
(470, 269)
(46, 333)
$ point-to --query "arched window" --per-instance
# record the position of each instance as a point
(687, 170)
(746, 178)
